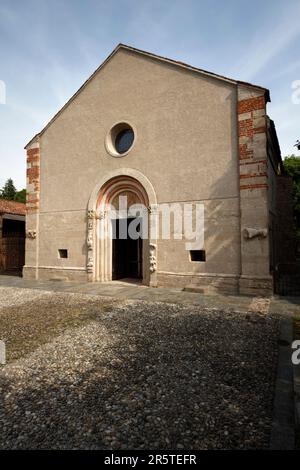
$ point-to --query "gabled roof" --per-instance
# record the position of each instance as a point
(12, 207)
(156, 57)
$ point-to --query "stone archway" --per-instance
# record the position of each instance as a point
(138, 188)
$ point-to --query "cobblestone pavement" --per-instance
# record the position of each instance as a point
(134, 374)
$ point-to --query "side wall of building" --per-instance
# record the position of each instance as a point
(285, 235)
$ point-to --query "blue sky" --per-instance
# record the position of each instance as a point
(49, 47)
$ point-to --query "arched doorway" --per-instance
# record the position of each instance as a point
(109, 255)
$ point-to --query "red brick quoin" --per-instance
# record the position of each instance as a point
(250, 124)
(251, 104)
(33, 180)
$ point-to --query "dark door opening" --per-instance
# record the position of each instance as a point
(12, 247)
(126, 252)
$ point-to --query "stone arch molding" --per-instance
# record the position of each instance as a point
(99, 251)
(137, 175)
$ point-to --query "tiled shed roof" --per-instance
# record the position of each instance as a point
(12, 207)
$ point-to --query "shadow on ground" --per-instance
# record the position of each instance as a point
(146, 376)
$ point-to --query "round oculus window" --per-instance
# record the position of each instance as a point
(120, 139)
(124, 140)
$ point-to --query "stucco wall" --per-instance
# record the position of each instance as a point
(186, 145)
(185, 125)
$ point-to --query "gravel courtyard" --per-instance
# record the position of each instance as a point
(85, 372)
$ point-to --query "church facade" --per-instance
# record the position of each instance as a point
(160, 133)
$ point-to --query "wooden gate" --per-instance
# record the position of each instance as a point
(12, 254)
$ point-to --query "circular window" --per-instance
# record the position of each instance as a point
(124, 140)
(120, 139)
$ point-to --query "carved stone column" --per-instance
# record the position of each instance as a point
(153, 235)
(90, 241)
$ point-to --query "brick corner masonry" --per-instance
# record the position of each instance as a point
(252, 129)
(33, 180)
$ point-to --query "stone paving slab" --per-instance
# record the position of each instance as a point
(287, 306)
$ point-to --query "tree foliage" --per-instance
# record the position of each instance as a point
(21, 196)
(10, 193)
(292, 168)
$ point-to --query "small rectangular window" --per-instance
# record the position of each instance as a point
(197, 255)
(62, 253)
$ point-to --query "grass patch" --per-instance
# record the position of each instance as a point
(27, 326)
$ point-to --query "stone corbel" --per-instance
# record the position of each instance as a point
(250, 233)
(31, 234)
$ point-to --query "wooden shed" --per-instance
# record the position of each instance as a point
(12, 237)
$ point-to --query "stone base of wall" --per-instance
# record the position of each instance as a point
(208, 283)
(55, 274)
(218, 284)
(28, 273)
(256, 286)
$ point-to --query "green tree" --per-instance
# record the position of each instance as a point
(21, 196)
(8, 191)
(291, 164)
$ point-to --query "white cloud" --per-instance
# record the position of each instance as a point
(272, 39)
